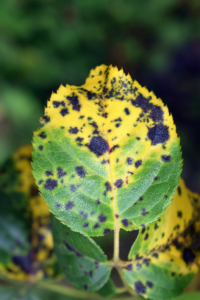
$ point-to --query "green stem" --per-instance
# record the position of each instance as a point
(128, 289)
(68, 291)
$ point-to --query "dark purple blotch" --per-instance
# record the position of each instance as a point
(50, 184)
(69, 205)
(61, 173)
(166, 158)
(98, 145)
(102, 218)
(125, 222)
(158, 134)
(75, 102)
(106, 231)
(118, 183)
(138, 163)
(80, 171)
(139, 287)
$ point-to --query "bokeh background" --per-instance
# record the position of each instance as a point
(44, 43)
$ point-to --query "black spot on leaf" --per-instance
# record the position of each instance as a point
(96, 226)
(129, 267)
(75, 102)
(125, 222)
(79, 139)
(179, 190)
(155, 112)
(102, 218)
(155, 255)
(166, 158)
(69, 205)
(138, 163)
(40, 147)
(188, 255)
(48, 173)
(113, 148)
(106, 231)
(94, 124)
(73, 130)
(91, 95)
(156, 226)
(149, 284)
(127, 112)
(64, 112)
(108, 188)
(43, 135)
(129, 161)
(84, 215)
(144, 212)
(91, 273)
(46, 119)
(179, 214)
(61, 173)
(119, 183)
(158, 134)
(98, 145)
(80, 171)
(139, 287)
(72, 187)
(50, 184)
(78, 254)
(58, 103)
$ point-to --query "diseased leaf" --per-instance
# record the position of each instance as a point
(163, 263)
(81, 259)
(108, 154)
(26, 244)
(177, 218)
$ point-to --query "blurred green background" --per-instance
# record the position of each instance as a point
(44, 43)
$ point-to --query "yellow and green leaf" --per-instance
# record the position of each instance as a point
(26, 243)
(107, 155)
(165, 256)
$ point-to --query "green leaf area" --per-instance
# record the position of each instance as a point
(81, 259)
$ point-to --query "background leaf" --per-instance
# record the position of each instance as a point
(15, 293)
(164, 261)
(26, 244)
(108, 154)
(190, 296)
(80, 258)
(108, 290)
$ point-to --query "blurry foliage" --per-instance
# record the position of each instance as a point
(47, 42)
